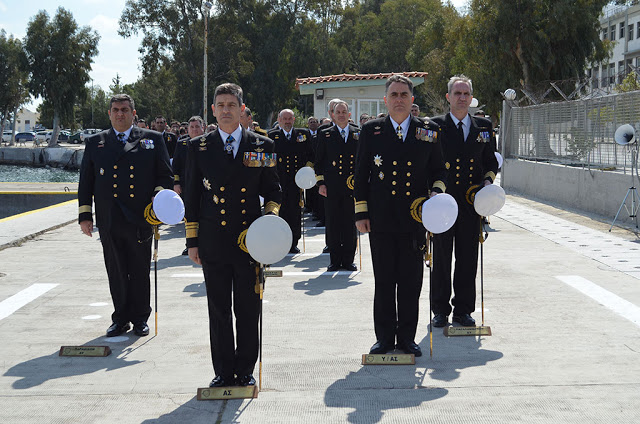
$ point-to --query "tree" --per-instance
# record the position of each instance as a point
(630, 83)
(60, 56)
(13, 78)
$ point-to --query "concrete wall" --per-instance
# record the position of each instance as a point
(593, 191)
(15, 203)
(58, 157)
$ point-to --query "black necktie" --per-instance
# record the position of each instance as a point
(228, 147)
(460, 130)
(399, 133)
(289, 136)
(121, 138)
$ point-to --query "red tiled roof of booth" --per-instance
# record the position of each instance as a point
(356, 77)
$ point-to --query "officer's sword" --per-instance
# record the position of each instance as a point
(156, 237)
(429, 259)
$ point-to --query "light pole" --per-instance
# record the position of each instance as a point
(206, 6)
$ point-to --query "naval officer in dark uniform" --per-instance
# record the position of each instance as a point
(228, 170)
(170, 139)
(294, 149)
(399, 165)
(122, 169)
(335, 165)
(468, 144)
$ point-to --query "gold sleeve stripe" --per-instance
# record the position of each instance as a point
(439, 184)
(272, 207)
(362, 206)
(159, 188)
(319, 177)
(491, 175)
(84, 209)
(176, 178)
(192, 229)
(309, 164)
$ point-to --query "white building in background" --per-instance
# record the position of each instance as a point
(26, 120)
(363, 92)
(620, 25)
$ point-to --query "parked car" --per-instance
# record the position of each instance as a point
(6, 136)
(43, 136)
(22, 137)
(89, 132)
(75, 138)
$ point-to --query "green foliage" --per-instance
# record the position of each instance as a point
(59, 54)
(579, 142)
(630, 83)
(13, 76)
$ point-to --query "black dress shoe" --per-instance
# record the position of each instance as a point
(141, 329)
(410, 347)
(326, 249)
(439, 320)
(380, 348)
(117, 329)
(220, 381)
(465, 320)
(333, 267)
(246, 380)
(185, 251)
(294, 250)
(351, 267)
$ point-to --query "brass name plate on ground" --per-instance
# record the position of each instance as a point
(389, 359)
(467, 331)
(90, 351)
(273, 273)
(230, 392)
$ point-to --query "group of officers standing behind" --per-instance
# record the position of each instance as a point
(373, 179)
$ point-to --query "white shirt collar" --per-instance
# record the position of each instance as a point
(126, 133)
(237, 135)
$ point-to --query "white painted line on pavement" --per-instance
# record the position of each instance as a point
(18, 300)
(614, 302)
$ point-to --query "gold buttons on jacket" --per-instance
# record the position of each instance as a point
(244, 212)
(243, 189)
(408, 184)
(395, 173)
(131, 176)
(221, 188)
(115, 166)
(242, 200)
(457, 167)
(393, 192)
(131, 195)
(244, 222)
(131, 167)
(223, 211)
(115, 186)
(115, 175)
(115, 194)
(408, 163)
(395, 163)
(408, 193)
(223, 223)
(471, 160)
(408, 174)
(458, 160)
(131, 186)
(222, 200)
(393, 182)
(471, 168)
(457, 175)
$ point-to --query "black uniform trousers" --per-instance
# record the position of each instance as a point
(222, 281)
(290, 211)
(464, 238)
(340, 228)
(127, 256)
(397, 268)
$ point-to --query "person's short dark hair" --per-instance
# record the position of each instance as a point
(382, 115)
(479, 112)
(364, 116)
(160, 117)
(117, 98)
(229, 88)
(175, 123)
(142, 121)
(197, 118)
(247, 111)
(398, 78)
(312, 118)
(460, 77)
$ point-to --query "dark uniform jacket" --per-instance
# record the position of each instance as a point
(179, 160)
(292, 154)
(222, 195)
(126, 180)
(335, 159)
(393, 178)
(171, 140)
(469, 162)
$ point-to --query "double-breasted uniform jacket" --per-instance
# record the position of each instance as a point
(335, 160)
(171, 140)
(292, 154)
(468, 162)
(394, 178)
(179, 160)
(222, 196)
(122, 177)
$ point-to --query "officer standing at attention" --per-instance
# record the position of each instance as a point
(398, 166)
(228, 170)
(467, 142)
(122, 169)
(170, 139)
(335, 164)
(294, 150)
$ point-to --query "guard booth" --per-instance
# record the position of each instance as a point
(363, 92)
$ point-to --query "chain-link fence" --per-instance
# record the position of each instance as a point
(576, 133)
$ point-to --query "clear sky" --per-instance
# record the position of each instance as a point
(116, 55)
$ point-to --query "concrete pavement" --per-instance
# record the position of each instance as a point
(561, 296)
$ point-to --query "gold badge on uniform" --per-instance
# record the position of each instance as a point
(483, 137)
(381, 175)
(447, 165)
(334, 163)
(215, 199)
(206, 184)
(259, 142)
(259, 150)
(356, 135)
(301, 138)
(101, 171)
(203, 144)
(377, 160)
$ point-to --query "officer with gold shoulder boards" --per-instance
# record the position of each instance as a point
(122, 169)
(228, 170)
(294, 150)
(399, 165)
(335, 164)
(468, 144)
